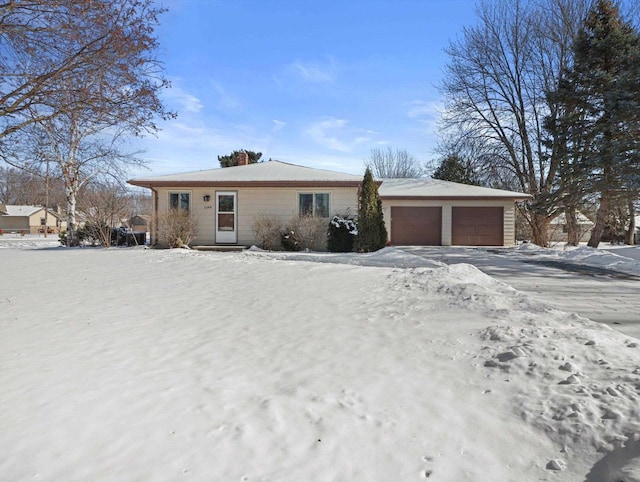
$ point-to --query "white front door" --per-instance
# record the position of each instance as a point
(226, 217)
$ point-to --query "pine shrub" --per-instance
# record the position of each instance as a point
(342, 230)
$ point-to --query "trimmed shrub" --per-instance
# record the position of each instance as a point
(267, 231)
(305, 233)
(342, 230)
(176, 228)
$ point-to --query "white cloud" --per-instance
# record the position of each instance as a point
(278, 125)
(324, 132)
(226, 100)
(315, 72)
(182, 101)
(420, 109)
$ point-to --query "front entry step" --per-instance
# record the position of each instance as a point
(221, 247)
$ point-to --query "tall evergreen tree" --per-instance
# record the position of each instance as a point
(454, 168)
(232, 159)
(372, 233)
(601, 111)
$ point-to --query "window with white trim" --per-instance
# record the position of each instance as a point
(314, 204)
(180, 200)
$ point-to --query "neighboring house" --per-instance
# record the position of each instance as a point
(28, 219)
(139, 223)
(558, 228)
(226, 201)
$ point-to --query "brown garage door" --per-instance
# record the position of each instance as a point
(416, 226)
(477, 226)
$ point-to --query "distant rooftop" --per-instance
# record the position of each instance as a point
(18, 210)
(582, 219)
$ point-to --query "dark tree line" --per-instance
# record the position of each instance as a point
(513, 88)
(599, 123)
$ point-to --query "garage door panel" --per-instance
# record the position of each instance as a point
(416, 225)
(477, 226)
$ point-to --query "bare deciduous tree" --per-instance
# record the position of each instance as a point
(47, 46)
(104, 206)
(393, 163)
(496, 86)
(98, 81)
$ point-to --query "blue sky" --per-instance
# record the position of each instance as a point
(315, 83)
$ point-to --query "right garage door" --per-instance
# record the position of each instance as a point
(477, 226)
(416, 226)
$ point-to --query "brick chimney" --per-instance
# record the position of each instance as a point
(243, 158)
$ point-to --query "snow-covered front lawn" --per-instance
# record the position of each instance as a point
(137, 364)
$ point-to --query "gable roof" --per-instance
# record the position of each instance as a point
(582, 219)
(22, 210)
(283, 174)
(269, 173)
(437, 189)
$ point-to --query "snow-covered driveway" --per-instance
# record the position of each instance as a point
(594, 292)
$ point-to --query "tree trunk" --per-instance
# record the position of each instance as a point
(629, 237)
(71, 189)
(573, 230)
(601, 220)
(540, 229)
(71, 219)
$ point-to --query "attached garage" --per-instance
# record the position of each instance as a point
(477, 226)
(416, 225)
(431, 212)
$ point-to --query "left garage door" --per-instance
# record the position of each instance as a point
(416, 226)
(477, 226)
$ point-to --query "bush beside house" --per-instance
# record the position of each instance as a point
(342, 231)
(372, 233)
(176, 228)
(305, 233)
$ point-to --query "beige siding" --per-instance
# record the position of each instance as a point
(509, 215)
(283, 204)
(29, 224)
(279, 202)
(14, 223)
(36, 227)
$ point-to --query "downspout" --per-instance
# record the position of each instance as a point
(154, 221)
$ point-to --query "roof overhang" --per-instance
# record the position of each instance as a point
(524, 197)
(227, 184)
